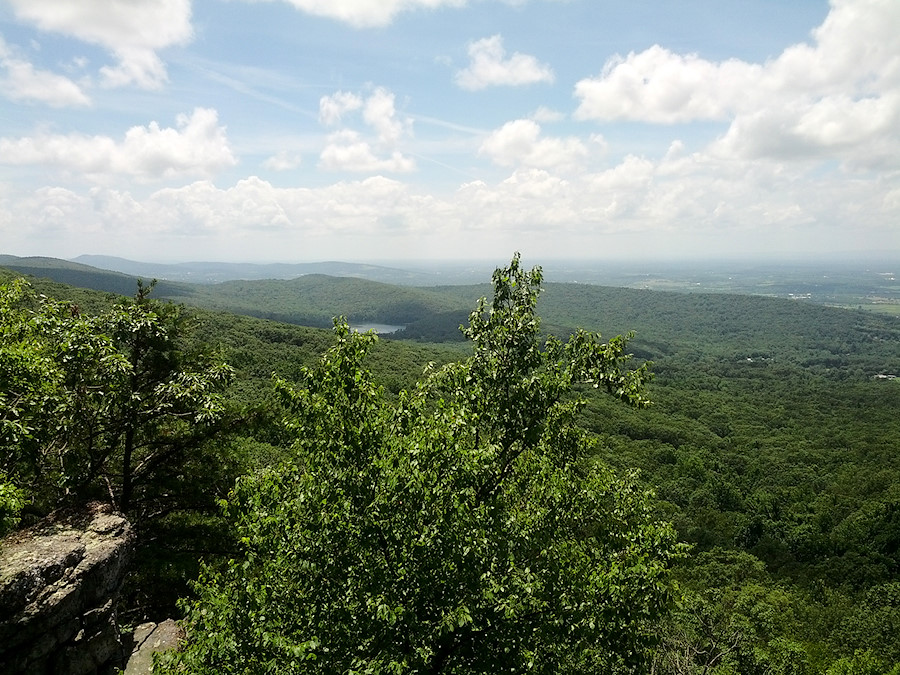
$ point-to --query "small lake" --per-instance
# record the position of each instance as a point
(379, 328)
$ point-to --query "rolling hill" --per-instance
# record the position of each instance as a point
(733, 328)
(217, 272)
(86, 276)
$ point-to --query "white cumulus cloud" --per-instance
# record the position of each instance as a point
(489, 66)
(132, 30)
(381, 115)
(659, 86)
(683, 200)
(367, 13)
(196, 146)
(864, 133)
(349, 149)
(838, 97)
(519, 143)
(138, 66)
(333, 108)
(21, 81)
(282, 161)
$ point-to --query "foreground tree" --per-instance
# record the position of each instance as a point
(170, 400)
(100, 406)
(462, 528)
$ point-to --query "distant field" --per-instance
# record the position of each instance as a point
(889, 308)
(837, 285)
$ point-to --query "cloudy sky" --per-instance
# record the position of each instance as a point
(297, 130)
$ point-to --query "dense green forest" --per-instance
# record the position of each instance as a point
(771, 445)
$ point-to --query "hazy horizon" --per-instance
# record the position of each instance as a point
(884, 261)
(770, 258)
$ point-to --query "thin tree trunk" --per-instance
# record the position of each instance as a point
(125, 501)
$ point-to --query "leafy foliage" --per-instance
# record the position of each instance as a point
(11, 502)
(461, 528)
(96, 405)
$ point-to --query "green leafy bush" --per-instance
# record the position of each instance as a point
(459, 528)
(12, 500)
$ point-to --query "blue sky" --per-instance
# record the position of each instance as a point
(296, 130)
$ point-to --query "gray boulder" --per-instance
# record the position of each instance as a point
(150, 638)
(58, 583)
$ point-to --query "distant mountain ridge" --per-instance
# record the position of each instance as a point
(860, 284)
(748, 330)
(218, 272)
(88, 276)
(311, 299)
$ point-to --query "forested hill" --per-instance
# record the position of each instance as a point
(85, 276)
(736, 328)
(314, 299)
(732, 328)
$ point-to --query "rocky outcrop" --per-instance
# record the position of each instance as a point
(58, 582)
(150, 638)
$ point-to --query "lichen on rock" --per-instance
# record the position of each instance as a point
(58, 582)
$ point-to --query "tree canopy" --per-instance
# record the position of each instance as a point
(459, 528)
(99, 405)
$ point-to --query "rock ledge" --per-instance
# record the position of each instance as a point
(58, 582)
